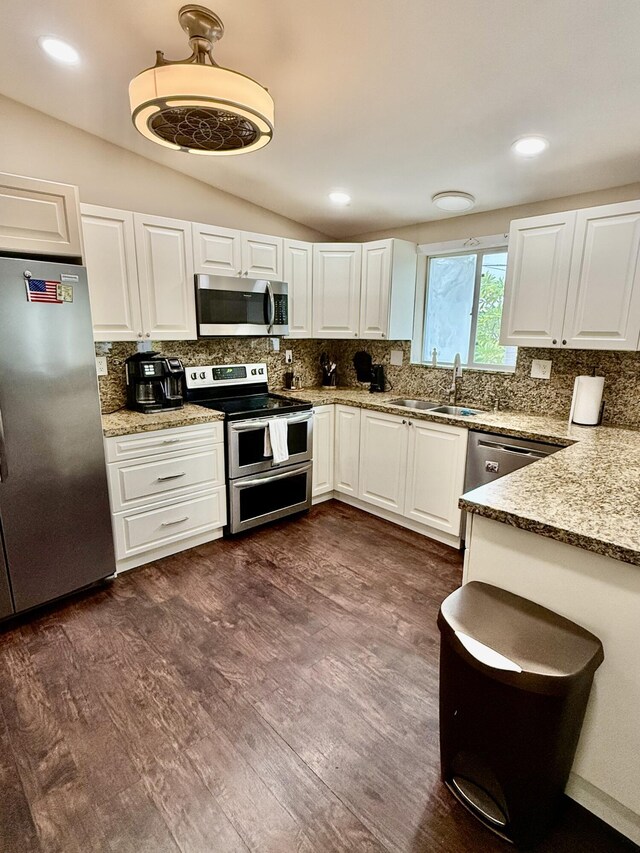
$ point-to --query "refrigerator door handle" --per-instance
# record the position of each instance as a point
(4, 469)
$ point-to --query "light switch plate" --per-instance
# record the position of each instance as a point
(541, 368)
(275, 342)
(101, 365)
(288, 356)
(396, 357)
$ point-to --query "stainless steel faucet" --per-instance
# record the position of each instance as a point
(457, 374)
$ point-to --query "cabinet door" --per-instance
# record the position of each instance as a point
(39, 217)
(336, 289)
(347, 450)
(165, 268)
(375, 289)
(537, 280)
(112, 272)
(603, 306)
(262, 256)
(298, 265)
(383, 460)
(435, 474)
(322, 481)
(216, 251)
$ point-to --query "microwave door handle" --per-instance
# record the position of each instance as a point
(272, 307)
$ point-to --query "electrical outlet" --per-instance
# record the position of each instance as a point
(396, 357)
(541, 368)
(288, 356)
(101, 365)
(275, 343)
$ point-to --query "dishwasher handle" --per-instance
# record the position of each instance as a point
(512, 448)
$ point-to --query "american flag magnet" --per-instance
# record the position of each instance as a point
(40, 290)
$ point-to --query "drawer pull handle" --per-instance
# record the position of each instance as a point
(171, 476)
(171, 441)
(177, 521)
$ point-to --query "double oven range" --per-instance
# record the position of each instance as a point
(258, 490)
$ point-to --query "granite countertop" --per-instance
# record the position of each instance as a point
(126, 422)
(587, 494)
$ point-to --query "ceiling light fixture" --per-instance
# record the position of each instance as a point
(59, 50)
(196, 106)
(454, 201)
(340, 198)
(530, 146)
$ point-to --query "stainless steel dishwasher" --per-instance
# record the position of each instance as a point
(490, 456)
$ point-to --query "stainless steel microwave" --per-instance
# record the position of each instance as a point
(228, 306)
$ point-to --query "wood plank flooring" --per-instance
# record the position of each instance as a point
(277, 692)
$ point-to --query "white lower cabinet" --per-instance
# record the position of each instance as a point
(167, 491)
(436, 460)
(413, 468)
(347, 450)
(323, 450)
(383, 456)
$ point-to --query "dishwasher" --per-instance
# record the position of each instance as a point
(490, 456)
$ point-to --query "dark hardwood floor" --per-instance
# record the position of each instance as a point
(277, 692)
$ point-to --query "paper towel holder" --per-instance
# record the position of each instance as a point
(587, 404)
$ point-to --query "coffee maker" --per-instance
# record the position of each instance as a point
(378, 380)
(154, 382)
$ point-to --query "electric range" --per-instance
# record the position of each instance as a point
(258, 489)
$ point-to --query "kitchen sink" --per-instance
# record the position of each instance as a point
(463, 411)
(413, 404)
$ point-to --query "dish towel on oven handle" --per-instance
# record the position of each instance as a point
(275, 440)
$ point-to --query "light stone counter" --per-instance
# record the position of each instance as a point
(126, 422)
(587, 494)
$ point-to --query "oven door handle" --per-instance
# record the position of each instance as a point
(242, 426)
(272, 307)
(257, 482)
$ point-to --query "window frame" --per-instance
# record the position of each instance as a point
(422, 296)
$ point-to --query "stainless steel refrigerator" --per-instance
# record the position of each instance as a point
(55, 521)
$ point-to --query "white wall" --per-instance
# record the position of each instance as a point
(36, 145)
(497, 221)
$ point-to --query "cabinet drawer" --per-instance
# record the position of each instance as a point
(142, 482)
(143, 531)
(120, 447)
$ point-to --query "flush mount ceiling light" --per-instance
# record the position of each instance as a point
(196, 106)
(59, 50)
(530, 146)
(454, 201)
(340, 198)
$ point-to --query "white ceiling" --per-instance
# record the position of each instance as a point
(392, 101)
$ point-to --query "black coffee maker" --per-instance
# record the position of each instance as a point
(378, 380)
(154, 382)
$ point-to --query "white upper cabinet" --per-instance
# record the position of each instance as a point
(537, 280)
(216, 251)
(224, 251)
(164, 252)
(603, 304)
(110, 258)
(383, 460)
(298, 273)
(573, 280)
(336, 289)
(347, 450)
(262, 256)
(39, 217)
(436, 462)
(388, 290)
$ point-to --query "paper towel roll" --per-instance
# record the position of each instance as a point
(587, 398)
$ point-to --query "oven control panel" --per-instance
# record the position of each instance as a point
(219, 375)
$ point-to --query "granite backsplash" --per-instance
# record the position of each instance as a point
(516, 391)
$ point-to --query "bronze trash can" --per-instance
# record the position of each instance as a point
(514, 683)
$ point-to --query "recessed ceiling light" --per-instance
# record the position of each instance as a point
(530, 146)
(59, 50)
(454, 201)
(340, 198)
